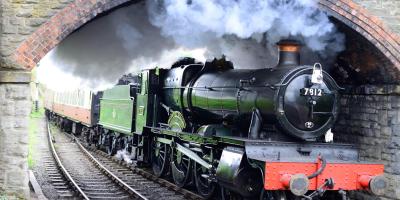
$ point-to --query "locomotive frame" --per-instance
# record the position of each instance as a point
(151, 116)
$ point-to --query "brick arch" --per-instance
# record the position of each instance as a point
(50, 34)
(59, 26)
(369, 26)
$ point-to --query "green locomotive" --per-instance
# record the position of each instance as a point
(251, 132)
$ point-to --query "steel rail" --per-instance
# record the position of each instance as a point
(108, 172)
(61, 166)
(90, 153)
(148, 175)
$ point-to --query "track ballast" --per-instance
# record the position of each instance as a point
(95, 175)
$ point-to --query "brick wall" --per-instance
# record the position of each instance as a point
(30, 28)
(362, 62)
(370, 117)
(369, 26)
(370, 107)
(57, 26)
(20, 19)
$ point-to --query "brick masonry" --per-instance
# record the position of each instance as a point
(369, 26)
(362, 62)
(30, 28)
(15, 106)
(370, 117)
(388, 11)
(26, 51)
(19, 19)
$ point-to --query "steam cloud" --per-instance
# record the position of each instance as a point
(157, 32)
(110, 46)
(124, 155)
(191, 23)
(194, 23)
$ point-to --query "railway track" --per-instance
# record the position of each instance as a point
(59, 183)
(58, 180)
(56, 169)
(88, 180)
(95, 175)
(159, 188)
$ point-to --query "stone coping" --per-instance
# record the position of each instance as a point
(15, 76)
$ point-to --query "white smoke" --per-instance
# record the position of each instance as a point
(124, 155)
(100, 52)
(193, 23)
(158, 32)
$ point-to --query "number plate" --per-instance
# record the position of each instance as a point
(312, 92)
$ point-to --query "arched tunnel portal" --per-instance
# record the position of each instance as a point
(369, 69)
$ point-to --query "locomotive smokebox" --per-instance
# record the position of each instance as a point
(289, 53)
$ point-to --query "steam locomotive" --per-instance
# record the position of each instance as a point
(254, 133)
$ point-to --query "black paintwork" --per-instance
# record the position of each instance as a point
(209, 95)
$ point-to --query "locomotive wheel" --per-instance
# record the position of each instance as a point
(181, 166)
(204, 186)
(160, 158)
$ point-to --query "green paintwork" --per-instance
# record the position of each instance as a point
(215, 103)
(264, 104)
(141, 112)
(227, 140)
(176, 121)
(228, 103)
(190, 137)
(116, 109)
(163, 140)
(117, 92)
(145, 84)
(142, 103)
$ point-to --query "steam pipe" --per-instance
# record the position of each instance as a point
(320, 170)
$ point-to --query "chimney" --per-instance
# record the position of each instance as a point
(289, 53)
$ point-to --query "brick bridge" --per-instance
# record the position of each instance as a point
(370, 110)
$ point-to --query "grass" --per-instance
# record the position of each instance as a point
(32, 135)
(37, 114)
(3, 196)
